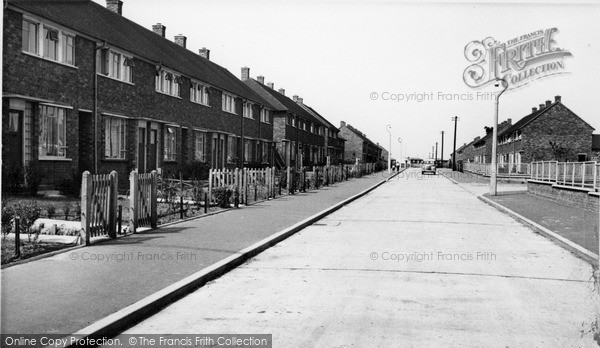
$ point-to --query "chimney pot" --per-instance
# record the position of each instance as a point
(300, 100)
(115, 6)
(245, 73)
(181, 40)
(261, 79)
(204, 52)
(542, 106)
(295, 98)
(271, 85)
(342, 124)
(548, 102)
(557, 99)
(533, 109)
(159, 29)
(281, 90)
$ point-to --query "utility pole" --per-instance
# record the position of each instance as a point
(436, 145)
(442, 153)
(455, 119)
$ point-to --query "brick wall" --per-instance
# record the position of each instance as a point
(561, 126)
(575, 198)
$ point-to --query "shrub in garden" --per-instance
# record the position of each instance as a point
(222, 195)
(7, 216)
(70, 186)
(33, 178)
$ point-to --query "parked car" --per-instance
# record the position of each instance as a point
(428, 168)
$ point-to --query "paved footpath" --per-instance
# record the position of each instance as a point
(67, 292)
(413, 263)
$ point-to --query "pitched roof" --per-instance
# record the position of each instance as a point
(287, 103)
(94, 20)
(360, 134)
(527, 119)
(260, 89)
(323, 120)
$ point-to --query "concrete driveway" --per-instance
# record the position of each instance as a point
(417, 262)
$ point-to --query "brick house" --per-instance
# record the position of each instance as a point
(298, 135)
(550, 132)
(358, 146)
(87, 89)
(334, 144)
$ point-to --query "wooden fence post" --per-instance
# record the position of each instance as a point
(133, 201)
(210, 183)
(153, 199)
(86, 206)
(289, 179)
(112, 204)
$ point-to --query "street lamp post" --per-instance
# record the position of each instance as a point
(399, 159)
(455, 119)
(389, 129)
(494, 177)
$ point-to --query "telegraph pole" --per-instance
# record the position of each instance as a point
(442, 154)
(436, 145)
(455, 119)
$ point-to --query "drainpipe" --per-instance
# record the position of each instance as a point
(242, 147)
(96, 105)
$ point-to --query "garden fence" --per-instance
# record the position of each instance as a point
(99, 205)
(575, 174)
(142, 200)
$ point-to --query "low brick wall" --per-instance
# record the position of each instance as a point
(570, 196)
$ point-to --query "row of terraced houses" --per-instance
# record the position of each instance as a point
(86, 89)
(551, 131)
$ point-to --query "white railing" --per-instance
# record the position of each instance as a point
(575, 174)
(504, 169)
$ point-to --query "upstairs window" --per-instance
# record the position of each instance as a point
(115, 65)
(228, 103)
(168, 83)
(199, 93)
(47, 42)
(265, 115)
(30, 37)
(248, 112)
(312, 128)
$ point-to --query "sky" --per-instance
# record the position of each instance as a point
(353, 60)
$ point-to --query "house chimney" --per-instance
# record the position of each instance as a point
(295, 98)
(542, 106)
(245, 73)
(159, 29)
(281, 90)
(533, 109)
(271, 85)
(300, 100)
(509, 121)
(548, 102)
(204, 52)
(115, 6)
(181, 40)
(260, 79)
(342, 124)
(557, 99)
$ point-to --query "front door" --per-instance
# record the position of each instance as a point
(14, 142)
(141, 158)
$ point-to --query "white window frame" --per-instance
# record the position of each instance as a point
(42, 43)
(232, 142)
(199, 93)
(112, 64)
(200, 146)
(53, 124)
(170, 144)
(118, 124)
(228, 103)
(247, 110)
(265, 115)
(166, 83)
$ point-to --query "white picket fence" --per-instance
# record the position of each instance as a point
(576, 174)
